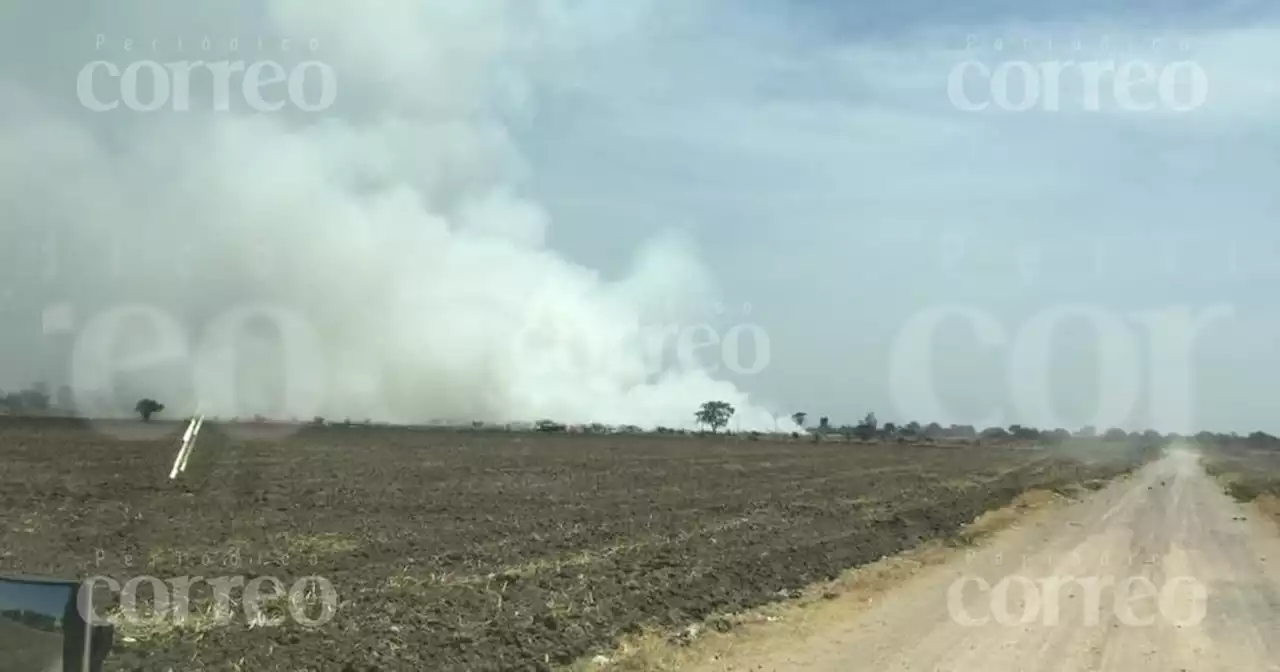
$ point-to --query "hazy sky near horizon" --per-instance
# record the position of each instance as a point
(798, 167)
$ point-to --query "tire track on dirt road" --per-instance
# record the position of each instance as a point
(1159, 571)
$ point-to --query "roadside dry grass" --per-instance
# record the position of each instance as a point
(1250, 475)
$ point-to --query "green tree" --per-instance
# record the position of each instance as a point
(550, 426)
(35, 398)
(867, 428)
(148, 407)
(995, 433)
(66, 400)
(11, 401)
(714, 414)
(1256, 438)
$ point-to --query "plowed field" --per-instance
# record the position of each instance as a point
(453, 550)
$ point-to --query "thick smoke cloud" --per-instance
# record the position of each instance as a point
(391, 228)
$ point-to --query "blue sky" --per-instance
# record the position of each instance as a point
(820, 166)
(807, 157)
(844, 17)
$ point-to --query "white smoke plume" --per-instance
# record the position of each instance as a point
(394, 227)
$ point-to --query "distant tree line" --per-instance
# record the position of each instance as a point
(870, 428)
(38, 399)
(715, 416)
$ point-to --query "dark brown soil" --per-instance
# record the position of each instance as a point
(475, 550)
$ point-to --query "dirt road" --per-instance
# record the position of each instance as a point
(1160, 571)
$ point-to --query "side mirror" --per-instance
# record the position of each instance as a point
(43, 627)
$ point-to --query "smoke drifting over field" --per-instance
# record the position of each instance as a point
(488, 169)
(391, 226)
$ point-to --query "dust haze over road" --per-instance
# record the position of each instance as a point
(1169, 528)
